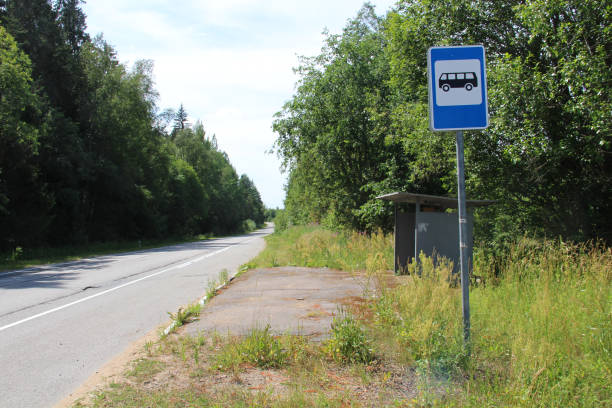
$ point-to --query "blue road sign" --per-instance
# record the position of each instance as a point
(457, 88)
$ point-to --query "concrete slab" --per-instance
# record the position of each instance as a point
(290, 299)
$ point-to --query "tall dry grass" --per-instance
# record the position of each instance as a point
(543, 326)
(314, 246)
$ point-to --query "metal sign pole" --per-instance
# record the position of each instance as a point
(463, 256)
(457, 84)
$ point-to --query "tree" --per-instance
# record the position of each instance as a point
(23, 199)
(230, 200)
(546, 156)
(85, 152)
(72, 22)
(60, 82)
(332, 131)
(357, 126)
(252, 206)
(36, 27)
(550, 142)
(180, 118)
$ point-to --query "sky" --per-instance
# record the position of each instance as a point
(229, 62)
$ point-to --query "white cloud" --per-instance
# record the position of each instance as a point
(229, 62)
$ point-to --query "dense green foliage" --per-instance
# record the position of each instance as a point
(270, 213)
(85, 152)
(357, 126)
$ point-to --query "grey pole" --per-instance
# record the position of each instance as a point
(417, 258)
(465, 282)
(395, 243)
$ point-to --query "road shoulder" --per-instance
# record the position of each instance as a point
(291, 300)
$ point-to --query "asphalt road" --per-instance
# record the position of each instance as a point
(60, 323)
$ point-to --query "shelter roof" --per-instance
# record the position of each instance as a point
(438, 201)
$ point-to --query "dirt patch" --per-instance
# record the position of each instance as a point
(377, 384)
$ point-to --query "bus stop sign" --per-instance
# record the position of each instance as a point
(457, 88)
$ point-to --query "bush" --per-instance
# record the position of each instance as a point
(249, 225)
(349, 342)
(281, 221)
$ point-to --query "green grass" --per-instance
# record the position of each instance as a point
(145, 368)
(541, 317)
(192, 311)
(25, 257)
(127, 396)
(308, 377)
(543, 332)
(123, 395)
(314, 246)
(259, 348)
(213, 284)
(185, 315)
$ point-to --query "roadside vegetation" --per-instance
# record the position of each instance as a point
(87, 155)
(23, 257)
(541, 319)
(541, 336)
(257, 370)
(20, 257)
(316, 247)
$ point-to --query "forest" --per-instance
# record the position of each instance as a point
(87, 155)
(357, 124)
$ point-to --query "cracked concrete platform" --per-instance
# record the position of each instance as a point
(290, 299)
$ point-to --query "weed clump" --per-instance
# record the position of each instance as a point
(259, 348)
(349, 342)
(144, 368)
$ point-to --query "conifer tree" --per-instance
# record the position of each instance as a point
(180, 118)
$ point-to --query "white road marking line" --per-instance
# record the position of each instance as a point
(36, 316)
(181, 266)
(202, 301)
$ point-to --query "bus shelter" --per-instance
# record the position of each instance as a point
(428, 224)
